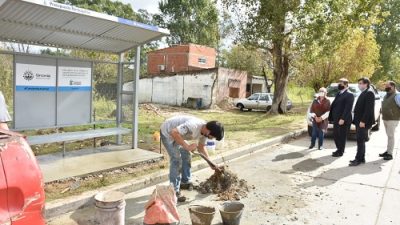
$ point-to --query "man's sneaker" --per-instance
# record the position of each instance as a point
(383, 154)
(180, 197)
(388, 157)
(187, 186)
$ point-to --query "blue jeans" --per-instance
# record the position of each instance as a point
(180, 162)
(317, 133)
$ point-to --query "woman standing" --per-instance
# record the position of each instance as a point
(4, 115)
(319, 112)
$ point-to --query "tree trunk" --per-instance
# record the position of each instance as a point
(281, 75)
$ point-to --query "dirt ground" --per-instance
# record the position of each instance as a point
(238, 133)
(296, 186)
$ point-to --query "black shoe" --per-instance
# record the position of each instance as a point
(311, 147)
(388, 157)
(187, 186)
(180, 197)
(321, 148)
(383, 154)
(337, 154)
(355, 160)
(355, 163)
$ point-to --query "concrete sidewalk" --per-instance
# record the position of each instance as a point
(89, 161)
(295, 185)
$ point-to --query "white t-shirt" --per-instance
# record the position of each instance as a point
(189, 127)
(4, 115)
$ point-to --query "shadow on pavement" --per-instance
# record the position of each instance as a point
(292, 155)
(331, 176)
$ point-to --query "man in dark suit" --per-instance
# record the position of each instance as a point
(340, 116)
(364, 118)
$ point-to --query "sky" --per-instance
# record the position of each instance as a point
(150, 5)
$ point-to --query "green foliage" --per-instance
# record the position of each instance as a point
(241, 58)
(355, 57)
(388, 37)
(114, 8)
(190, 21)
(6, 81)
(122, 10)
(285, 28)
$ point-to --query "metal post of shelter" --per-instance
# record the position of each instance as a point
(135, 97)
(119, 96)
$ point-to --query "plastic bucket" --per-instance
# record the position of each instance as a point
(231, 212)
(110, 208)
(211, 145)
(201, 215)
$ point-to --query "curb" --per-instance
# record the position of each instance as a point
(62, 206)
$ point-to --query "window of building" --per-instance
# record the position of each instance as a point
(234, 92)
(202, 60)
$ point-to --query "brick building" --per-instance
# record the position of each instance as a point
(180, 58)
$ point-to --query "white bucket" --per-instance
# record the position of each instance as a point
(110, 208)
(211, 145)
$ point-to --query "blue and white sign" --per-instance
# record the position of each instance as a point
(74, 78)
(33, 77)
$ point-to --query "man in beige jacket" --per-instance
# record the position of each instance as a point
(391, 117)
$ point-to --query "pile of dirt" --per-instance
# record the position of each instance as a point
(226, 185)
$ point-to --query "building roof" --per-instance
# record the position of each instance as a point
(52, 24)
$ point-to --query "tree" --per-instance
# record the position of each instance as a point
(356, 56)
(190, 21)
(388, 37)
(284, 27)
(241, 58)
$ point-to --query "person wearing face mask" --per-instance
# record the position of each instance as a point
(390, 117)
(319, 112)
(4, 115)
(364, 118)
(175, 132)
(340, 116)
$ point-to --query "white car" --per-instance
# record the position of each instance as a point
(353, 88)
(259, 101)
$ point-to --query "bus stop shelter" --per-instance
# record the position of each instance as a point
(51, 24)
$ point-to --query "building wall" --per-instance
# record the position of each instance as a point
(180, 58)
(212, 86)
(198, 51)
(231, 79)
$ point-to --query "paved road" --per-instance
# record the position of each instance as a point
(295, 185)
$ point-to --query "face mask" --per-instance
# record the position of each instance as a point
(388, 89)
(361, 87)
(340, 87)
(321, 94)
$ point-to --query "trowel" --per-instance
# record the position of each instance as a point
(211, 164)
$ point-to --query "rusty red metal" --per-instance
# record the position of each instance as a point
(22, 196)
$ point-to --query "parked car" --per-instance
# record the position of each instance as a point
(382, 94)
(259, 101)
(353, 88)
(22, 197)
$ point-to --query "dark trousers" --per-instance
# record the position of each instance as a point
(317, 133)
(340, 136)
(361, 134)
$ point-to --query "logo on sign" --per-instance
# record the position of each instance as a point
(28, 75)
(71, 82)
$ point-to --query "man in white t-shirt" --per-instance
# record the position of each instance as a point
(175, 132)
(4, 115)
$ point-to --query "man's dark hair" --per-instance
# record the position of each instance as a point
(216, 129)
(392, 83)
(365, 80)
